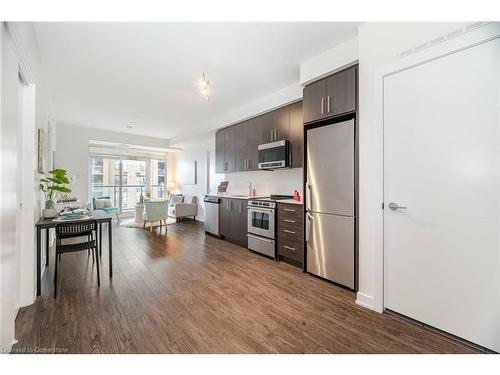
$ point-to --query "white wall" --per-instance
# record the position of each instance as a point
(23, 53)
(201, 150)
(73, 151)
(380, 44)
(330, 61)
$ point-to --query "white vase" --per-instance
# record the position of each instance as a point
(49, 213)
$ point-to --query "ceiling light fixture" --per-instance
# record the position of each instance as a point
(205, 86)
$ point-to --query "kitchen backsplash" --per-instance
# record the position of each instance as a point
(281, 181)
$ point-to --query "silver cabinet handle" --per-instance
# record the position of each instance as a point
(289, 248)
(259, 238)
(394, 206)
(288, 231)
(289, 221)
(288, 209)
(322, 105)
(328, 104)
(239, 209)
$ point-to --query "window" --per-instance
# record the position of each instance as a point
(125, 180)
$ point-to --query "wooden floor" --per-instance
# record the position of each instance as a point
(184, 292)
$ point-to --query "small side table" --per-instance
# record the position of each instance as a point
(139, 211)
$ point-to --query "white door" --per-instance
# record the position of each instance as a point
(441, 161)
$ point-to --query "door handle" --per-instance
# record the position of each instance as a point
(328, 104)
(288, 209)
(289, 221)
(288, 231)
(289, 248)
(322, 105)
(308, 196)
(394, 206)
(308, 226)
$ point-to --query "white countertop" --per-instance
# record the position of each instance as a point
(242, 196)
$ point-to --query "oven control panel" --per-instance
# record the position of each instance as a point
(262, 203)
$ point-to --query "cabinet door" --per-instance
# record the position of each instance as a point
(219, 152)
(229, 148)
(296, 135)
(315, 101)
(281, 123)
(225, 219)
(341, 92)
(242, 222)
(263, 127)
(241, 157)
(253, 141)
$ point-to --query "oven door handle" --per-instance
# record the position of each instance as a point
(260, 238)
(265, 210)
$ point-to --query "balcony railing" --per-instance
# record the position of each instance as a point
(127, 201)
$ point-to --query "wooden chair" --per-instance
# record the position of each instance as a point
(64, 231)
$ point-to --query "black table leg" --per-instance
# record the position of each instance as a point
(110, 245)
(47, 232)
(100, 239)
(38, 260)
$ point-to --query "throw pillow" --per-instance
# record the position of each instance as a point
(107, 203)
(174, 199)
(99, 204)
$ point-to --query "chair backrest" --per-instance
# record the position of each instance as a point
(156, 210)
(75, 228)
(94, 199)
(175, 198)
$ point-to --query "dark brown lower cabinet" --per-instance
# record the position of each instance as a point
(290, 231)
(233, 221)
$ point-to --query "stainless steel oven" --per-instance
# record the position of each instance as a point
(261, 219)
(274, 155)
(261, 230)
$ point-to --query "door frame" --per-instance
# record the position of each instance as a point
(456, 43)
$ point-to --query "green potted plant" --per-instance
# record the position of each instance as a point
(51, 187)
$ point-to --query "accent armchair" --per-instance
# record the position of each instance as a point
(104, 203)
(178, 209)
(155, 211)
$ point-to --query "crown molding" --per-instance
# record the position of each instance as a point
(24, 65)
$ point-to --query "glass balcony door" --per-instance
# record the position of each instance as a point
(125, 180)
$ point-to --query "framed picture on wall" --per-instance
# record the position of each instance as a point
(42, 142)
(188, 172)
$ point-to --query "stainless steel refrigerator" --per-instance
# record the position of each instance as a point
(330, 213)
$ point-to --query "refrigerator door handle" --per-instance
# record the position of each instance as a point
(308, 226)
(308, 196)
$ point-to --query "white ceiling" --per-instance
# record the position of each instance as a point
(104, 75)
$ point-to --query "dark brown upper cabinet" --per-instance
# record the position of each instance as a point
(236, 147)
(281, 124)
(246, 147)
(314, 101)
(296, 137)
(341, 92)
(330, 96)
(225, 150)
(263, 126)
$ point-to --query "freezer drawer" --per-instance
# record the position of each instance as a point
(330, 247)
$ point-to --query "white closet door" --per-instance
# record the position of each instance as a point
(441, 161)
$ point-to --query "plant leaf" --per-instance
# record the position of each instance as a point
(58, 171)
(62, 189)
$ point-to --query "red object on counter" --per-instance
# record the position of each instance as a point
(298, 196)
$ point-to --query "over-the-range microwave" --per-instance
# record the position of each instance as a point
(274, 155)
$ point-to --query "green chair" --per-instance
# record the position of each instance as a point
(155, 211)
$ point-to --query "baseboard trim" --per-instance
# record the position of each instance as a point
(364, 300)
